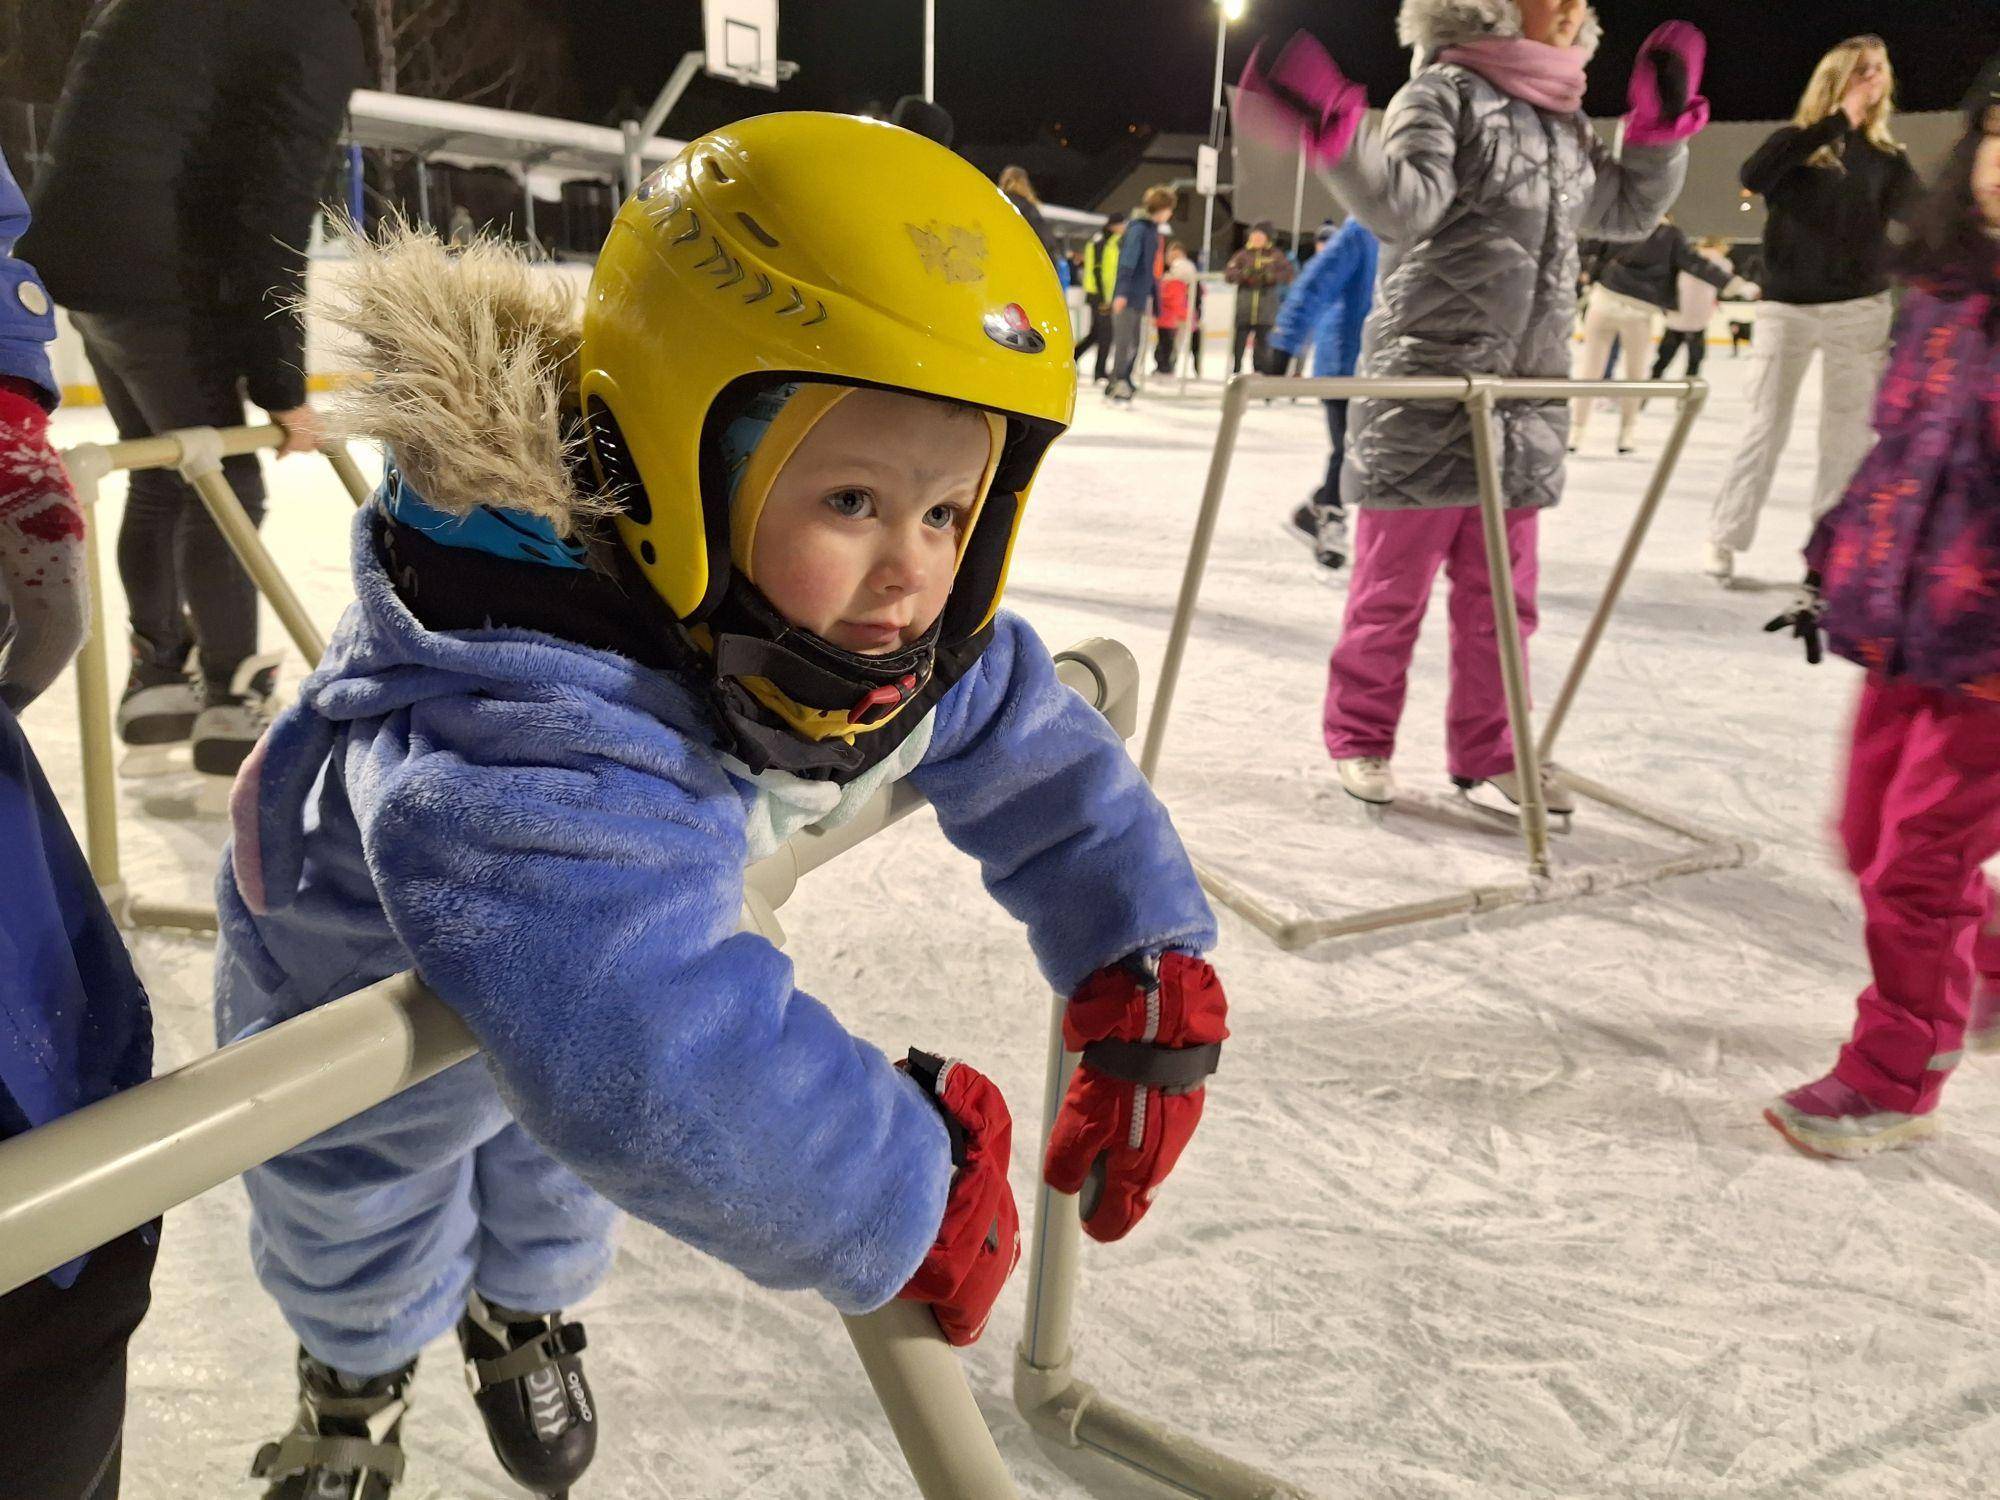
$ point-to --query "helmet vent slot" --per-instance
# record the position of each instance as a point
(757, 231)
(616, 470)
(715, 170)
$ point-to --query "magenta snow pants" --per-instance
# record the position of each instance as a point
(1922, 817)
(1397, 554)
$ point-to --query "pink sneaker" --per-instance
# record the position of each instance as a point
(1982, 1032)
(1827, 1118)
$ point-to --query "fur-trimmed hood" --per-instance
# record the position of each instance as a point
(1432, 25)
(470, 357)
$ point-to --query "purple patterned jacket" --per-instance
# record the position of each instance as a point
(1909, 561)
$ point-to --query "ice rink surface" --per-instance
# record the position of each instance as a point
(1481, 1210)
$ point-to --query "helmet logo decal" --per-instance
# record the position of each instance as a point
(728, 270)
(1011, 329)
(948, 250)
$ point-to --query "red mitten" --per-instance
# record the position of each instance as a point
(1150, 1035)
(979, 1240)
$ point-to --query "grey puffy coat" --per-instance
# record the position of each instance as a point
(1478, 199)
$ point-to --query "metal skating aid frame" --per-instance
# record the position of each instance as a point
(90, 1176)
(197, 452)
(1481, 396)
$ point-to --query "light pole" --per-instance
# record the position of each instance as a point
(930, 51)
(1225, 12)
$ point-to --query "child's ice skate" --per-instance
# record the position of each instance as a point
(1828, 1118)
(1560, 801)
(1982, 1031)
(347, 1444)
(1326, 536)
(1368, 780)
(155, 717)
(528, 1383)
(228, 728)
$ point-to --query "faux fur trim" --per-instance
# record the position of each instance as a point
(471, 358)
(1432, 25)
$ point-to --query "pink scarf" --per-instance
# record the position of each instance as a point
(1547, 77)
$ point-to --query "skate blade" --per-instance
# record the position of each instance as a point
(1508, 814)
(142, 761)
(1852, 1148)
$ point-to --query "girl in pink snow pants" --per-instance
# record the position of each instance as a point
(1906, 570)
(1479, 179)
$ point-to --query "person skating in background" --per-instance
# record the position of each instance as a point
(1177, 283)
(1634, 286)
(75, 1025)
(1135, 292)
(1497, 83)
(558, 724)
(1835, 179)
(1100, 275)
(1904, 579)
(1260, 272)
(1020, 191)
(1325, 311)
(186, 162)
(1687, 325)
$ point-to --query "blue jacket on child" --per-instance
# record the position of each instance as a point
(540, 829)
(1330, 301)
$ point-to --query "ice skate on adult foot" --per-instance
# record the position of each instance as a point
(229, 726)
(347, 1443)
(156, 714)
(1719, 563)
(1828, 1118)
(1367, 778)
(527, 1381)
(1557, 798)
(1325, 535)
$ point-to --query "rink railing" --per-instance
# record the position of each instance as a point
(1482, 397)
(197, 453)
(90, 1176)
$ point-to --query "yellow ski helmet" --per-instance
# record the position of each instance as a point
(799, 248)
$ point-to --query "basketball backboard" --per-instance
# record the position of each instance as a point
(741, 41)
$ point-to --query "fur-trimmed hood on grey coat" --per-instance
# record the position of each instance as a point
(1432, 25)
(1478, 198)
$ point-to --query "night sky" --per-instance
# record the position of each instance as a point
(1009, 68)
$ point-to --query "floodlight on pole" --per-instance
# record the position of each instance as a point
(1225, 12)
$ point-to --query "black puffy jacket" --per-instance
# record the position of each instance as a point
(188, 156)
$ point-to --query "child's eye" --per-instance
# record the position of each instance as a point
(944, 517)
(851, 503)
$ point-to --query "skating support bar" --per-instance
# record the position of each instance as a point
(1481, 396)
(195, 452)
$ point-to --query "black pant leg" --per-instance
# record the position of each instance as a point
(1669, 342)
(177, 369)
(62, 1375)
(1326, 499)
(1239, 341)
(1697, 354)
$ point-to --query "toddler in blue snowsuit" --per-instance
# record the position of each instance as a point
(548, 738)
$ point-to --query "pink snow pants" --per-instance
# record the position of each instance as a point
(1922, 817)
(1397, 554)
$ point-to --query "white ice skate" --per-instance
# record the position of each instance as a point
(1719, 563)
(1557, 798)
(154, 722)
(1367, 778)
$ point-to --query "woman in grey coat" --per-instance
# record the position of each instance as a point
(1483, 173)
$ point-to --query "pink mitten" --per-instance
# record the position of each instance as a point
(1666, 106)
(1303, 93)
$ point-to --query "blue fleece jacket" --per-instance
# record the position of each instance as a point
(543, 832)
(1330, 301)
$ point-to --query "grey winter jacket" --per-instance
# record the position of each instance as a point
(1478, 199)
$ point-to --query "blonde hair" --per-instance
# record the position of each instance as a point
(1160, 197)
(1829, 86)
(1015, 180)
